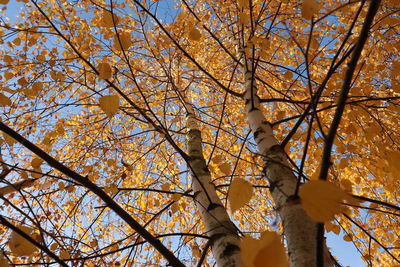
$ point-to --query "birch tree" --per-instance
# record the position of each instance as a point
(198, 133)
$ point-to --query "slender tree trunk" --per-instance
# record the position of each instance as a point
(299, 230)
(219, 227)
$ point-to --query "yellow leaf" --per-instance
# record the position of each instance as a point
(24, 175)
(7, 59)
(347, 238)
(61, 186)
(225, 168)
(8, 75)
(336, 229)
(104, 70)
(3, 260)
(37, 87)
(124, 41)
(309, 8)
(4, 100)
(17, 41)
(267, 251)
(347, 185)
(38, 173)
(322, 200)
(9, 140)
(70, 188)
(217, 159)
(194, 34)
(41, 58)
(288, 75)
(265, 44)
(18, 245)
(109, 104)
(64, 254)
(176, 196)
(165, 187)
(53, 246)
(330, 227)
(4, 2)
(196, 253)
(243, 18)
(36, 162)
(22, 81)
(109, 20)
(240, 192)
(174, 207)
(94, 243)
(243, 3)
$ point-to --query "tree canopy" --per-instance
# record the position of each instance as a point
(145, 132)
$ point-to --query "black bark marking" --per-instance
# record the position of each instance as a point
(259, 141)
(230, 249)
(258, 132)
(213, 206)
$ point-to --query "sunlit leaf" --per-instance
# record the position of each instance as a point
(9, 140)
(176, 196)
(309, 8)
(36, 162)
(225, 168)
(4, 100)
(64, 254)
(166, 186)
(19, 246)
(322, 200)
(104, 70)
(122, 41)
(109, 20)
(109, 104)
(268, 251)
(37, 87)
(194, 34)
(347, 238)
(240, 193)
(22, 81)
(3, 261)
(217, 159)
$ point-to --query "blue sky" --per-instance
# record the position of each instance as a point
(344, 251)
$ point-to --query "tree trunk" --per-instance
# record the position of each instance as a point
(221, 230)
(299, 230)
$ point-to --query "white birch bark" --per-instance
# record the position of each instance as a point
(299, 229)
(219, 227)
